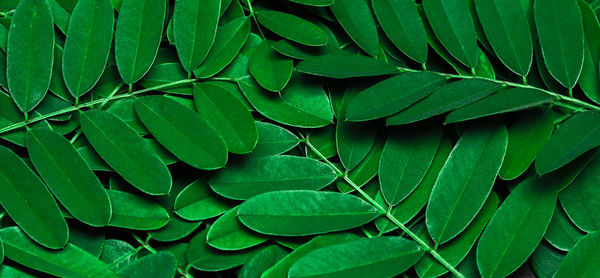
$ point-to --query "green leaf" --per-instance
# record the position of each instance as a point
(447, 98)
(255, 175)
(402, 23)
(357, 19)
(182, 131)
(194, 30)
(304, 212)
(506, 27)
(158, 265)
(581, 197)
(453, 25)
(292, 27)
(545, 260)
(68, 176)
(560, 30)
(365, 170)
(561, 232)
(526, 137)
(228, 233)
(281, 268)
(303, 104)
(316, 3)
(392, 95)
(206, 258)
(228, 42)
(516, 228)
(137, 37)
(262, 261)
(198, 202)
(270, 69)
(29, 203)
(228, 116)
(71, 261)
(273, 140)
(135, 212)
(581, 131)
(342, 66)
(372, 257)
(87, 45)
(30, 53)
(405, 160)
(126, 152)
(589, 80)
(504, 101)
(162, 74)
(465, 181)
(583, 260)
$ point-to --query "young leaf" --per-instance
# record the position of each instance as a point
(135, 212)
(198, 202)
(137, 37)
(560, 30)
(356, 18)
(255, 175)
(302, 212)
(126, 152)
(68, 176)
(372, 257)
(194, 30)
(87, 45)
(292, 27)
(465, 181)
(583, 260)
(581, 131)
(342, 66)
(270, 69)
(30, 53)
(227, 233)
(405, 160)
(506, 27)
(182, 131)
(228, 116)
(29, 203)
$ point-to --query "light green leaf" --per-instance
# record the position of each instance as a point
(273, 140)
(228, 233)
(198, 202)
(135, 212)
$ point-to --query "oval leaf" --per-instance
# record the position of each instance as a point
(292, 27)
(134, 212)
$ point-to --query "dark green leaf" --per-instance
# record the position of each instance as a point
(159, 265)
(581, 197)
(228, 233)
(273, 140)
(583, 260)
(198, 202)
(562, 233)
(135, 212)
(345, 66)
(292, 27)
(270, 69)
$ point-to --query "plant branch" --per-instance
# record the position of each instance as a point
(383, 211)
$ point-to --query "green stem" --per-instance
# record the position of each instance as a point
(253, 15)
(153, 251)
(385, 212)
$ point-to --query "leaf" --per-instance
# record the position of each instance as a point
(183, 132)
(560, 30)
(365, 170)
(273, 140)
(30, 53)
(372, 257)
(304, 213)
(516, 228)
(205, 258)
(452, 24)
(126, 152)
(29, 203)
(158, 265)
(228, 116)
(135, 212)
(68, 177)
(405, 160)
(357, 20)
(255, 175)
(281, 268)
(259, 263)
(137, 37)
(302, 104)
(198, 202)
(342, 66)
(526, 137)
(507, 30)
(316, 3)
(228, 233)
(580, 131)
(589, 80)
(504, 101)
(402, 23)
(561, 232)
(579, 199)
(446, 98)
(545, 260)
(292, 27)
(194, 30)
(465, 181)
(162, 74)
(87, 45)
(583, 259)
(71, 261)
(228, 42)
(392, 95)
(271, 70)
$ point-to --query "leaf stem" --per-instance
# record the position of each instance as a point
(253, 15)
(383, 211)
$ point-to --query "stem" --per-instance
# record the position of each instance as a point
(383, 211)
(253, 15)
(153, 251)
(88, 104)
